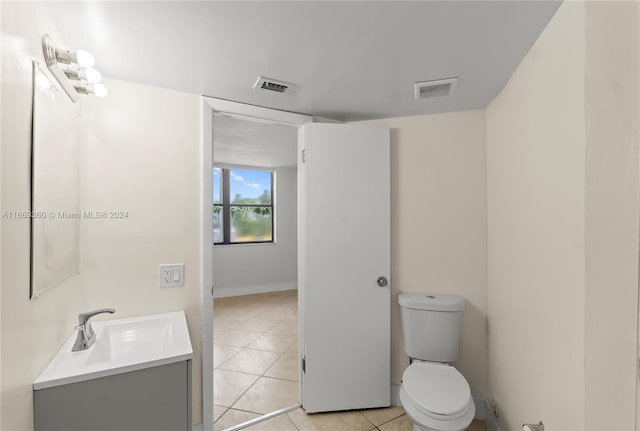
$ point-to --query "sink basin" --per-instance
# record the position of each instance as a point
(121, 345)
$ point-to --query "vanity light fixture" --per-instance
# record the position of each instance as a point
(90, 75)
(96, 89)
(81, 58)
(73, 70)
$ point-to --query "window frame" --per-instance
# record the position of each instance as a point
(226, 205)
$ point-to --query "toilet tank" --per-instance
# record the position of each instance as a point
(431, 325)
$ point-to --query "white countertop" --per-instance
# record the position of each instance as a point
(121, 346)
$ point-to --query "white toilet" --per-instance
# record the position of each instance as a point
(433, 393)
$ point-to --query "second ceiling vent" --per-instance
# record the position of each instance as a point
(273, 85)
(438, 88)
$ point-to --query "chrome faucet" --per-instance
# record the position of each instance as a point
(86, 336)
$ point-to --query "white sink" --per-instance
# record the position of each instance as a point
(121, 346)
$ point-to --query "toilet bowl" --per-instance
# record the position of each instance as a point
(436, 397)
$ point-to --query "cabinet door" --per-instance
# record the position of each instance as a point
(152, 399)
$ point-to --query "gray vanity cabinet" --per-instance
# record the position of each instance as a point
(151, 399)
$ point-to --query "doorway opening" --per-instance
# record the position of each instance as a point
(253, 285)
(344, 331)
(255, 348)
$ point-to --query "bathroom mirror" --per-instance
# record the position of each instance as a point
(55, 184)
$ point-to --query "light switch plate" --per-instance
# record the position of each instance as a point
(171, 275)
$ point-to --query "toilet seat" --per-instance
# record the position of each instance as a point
(436, 390)
(437, 396)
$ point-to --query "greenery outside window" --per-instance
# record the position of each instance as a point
(242, 206)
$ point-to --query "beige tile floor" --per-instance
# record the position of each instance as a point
(255, 357)
(256, 371)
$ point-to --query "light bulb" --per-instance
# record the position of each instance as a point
(99, 90)
(83, 59)
(92, 75)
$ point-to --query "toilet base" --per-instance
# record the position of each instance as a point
(417, 427)
(420, 421)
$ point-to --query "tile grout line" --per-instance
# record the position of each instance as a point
(367, 419)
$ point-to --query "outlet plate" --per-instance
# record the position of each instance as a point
(171, 275)
(493, 404)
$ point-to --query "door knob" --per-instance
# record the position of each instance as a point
(382, 281)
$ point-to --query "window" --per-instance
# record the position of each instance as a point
(242, 206)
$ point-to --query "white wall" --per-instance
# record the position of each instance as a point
(536, 246)
(438, 226)
(141, 155)
(255, 268)
(612, 193)
(142, 146)
(1, 206)
(562, 169)
(32, 331)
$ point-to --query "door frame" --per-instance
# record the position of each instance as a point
(209, 107)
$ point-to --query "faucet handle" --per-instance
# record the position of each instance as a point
(85, 325)
(83, 318)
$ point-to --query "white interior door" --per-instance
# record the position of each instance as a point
(344, 249)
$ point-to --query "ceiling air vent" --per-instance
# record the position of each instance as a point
(276, 86)
(438, 88)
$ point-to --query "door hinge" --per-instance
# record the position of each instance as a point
(304, 365)
(304, 156)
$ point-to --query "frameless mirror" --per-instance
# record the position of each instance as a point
(55, 184)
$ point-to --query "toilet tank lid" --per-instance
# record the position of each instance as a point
(426, 301)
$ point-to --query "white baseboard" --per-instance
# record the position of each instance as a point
(227, 291)
(395, 395)
(483, 410)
